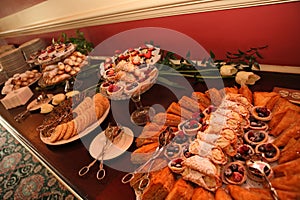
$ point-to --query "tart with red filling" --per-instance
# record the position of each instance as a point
(176, 165)
(234, 173)
(255, 137)
(172, 151)
(269, 151)
(244, 152)
(261, 113)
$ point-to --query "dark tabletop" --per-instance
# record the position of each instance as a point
(67, 159)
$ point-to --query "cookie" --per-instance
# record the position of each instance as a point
(56, 133)
(69, 131)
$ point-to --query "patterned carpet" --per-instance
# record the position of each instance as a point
(23, 177)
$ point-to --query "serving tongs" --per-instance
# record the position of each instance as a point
(254, 165)
(110, 136)
(164, 139)
(42, 98)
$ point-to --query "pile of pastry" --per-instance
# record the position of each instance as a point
(232, 127)
(65, 121)
(129, 71)
(70, 66)
(20, 80)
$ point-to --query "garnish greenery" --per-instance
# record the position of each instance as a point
(82, 45)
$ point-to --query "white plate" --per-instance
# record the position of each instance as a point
(86, 131)
(34, 105)
(115, 150)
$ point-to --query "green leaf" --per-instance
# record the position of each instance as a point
(241, 52)
(212, 55)
(258, 55)
(188, 55)
(168, 82)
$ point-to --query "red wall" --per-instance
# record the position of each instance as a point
(276, 26)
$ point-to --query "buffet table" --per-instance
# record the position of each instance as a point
(66, 160)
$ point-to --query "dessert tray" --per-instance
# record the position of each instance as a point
(128, 72)
(116, 149)
(21, 80)
(225, 151)
(63, 69)
(51, 54)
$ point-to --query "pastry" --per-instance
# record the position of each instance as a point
(246, 92)
(147, 137)
(241, 193)
(234, 173)
(233, 90)
(291, 153)
(261, 113)
(166, 119)
(221, 194)
(255, 137)
(176, 166)
(202, 194)
(276, 118)
(215, 96)
(292, 131)
(189, 104)
(58, 98)
(288, 118)
(207, 150)
(262, 98)
(287, 169)
(269, 151)
(176, 109)
(287, 183)
(181, 190)
(287, 195)
(202, 165)
(161, 184)
(202, 98)
(144, 153)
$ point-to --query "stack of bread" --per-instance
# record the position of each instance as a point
(283, 127)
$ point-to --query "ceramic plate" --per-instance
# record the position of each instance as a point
(114, 150)
(86, 131)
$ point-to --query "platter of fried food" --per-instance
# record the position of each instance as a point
(213, 164)
(63, 70)
(65, 124)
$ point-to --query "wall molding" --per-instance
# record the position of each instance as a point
(42, 19)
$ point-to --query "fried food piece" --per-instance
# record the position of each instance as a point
(282, 105)
(286, 169)
(276, 118)
(181, 190)
(147, 137)
(290, 153)
(166, 119)
(272, 101)
(293, 131)
(158, 164)
(216, 97)
(161, 183)
(287, 195)
(201, 98)
(176, 109)
(240, 193)
(202, 194)
(288, 118)
(142, 154)
(246, 92)
(221, 194)
(287, 183)
(189, 104)
(233, 90)
(262, 98)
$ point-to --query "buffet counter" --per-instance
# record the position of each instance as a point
(67, 159)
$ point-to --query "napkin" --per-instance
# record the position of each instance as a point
(17, 98)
